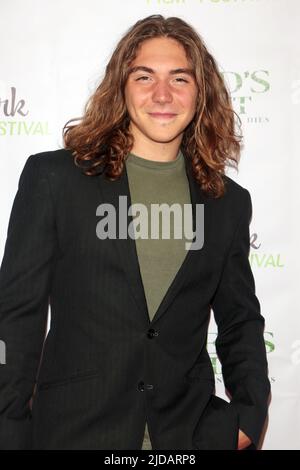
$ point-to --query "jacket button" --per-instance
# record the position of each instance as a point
(141, 386)
(151, 333)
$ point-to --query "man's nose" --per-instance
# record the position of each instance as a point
(162, 93)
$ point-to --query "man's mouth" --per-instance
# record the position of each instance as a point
(163, 115)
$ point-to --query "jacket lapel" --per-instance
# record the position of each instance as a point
(111, 190)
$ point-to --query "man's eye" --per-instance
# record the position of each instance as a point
(140, 78)
(182, 79)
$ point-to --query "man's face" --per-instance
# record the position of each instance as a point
(160, 90)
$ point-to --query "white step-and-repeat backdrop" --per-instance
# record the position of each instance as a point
(53, 54)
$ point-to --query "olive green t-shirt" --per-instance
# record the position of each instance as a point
(156, 182)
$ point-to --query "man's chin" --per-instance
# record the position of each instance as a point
(163, 139)
(163, 135)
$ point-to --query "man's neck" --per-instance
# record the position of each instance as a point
(162, 154)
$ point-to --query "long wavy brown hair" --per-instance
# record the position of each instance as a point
(101, 140)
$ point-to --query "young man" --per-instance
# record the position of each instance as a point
(125, 365)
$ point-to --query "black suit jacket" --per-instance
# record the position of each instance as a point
(105, 368)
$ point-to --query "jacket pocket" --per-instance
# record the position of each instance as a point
(78, 376)
(218, 426)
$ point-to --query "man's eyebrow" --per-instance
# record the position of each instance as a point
(143, 68)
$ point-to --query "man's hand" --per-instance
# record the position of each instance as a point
(244, 440)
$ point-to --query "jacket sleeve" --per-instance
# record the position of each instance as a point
(25, 275)
(240, 342)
